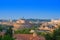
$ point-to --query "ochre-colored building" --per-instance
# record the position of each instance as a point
(21, 24)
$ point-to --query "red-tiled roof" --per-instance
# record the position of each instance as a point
(27, 37)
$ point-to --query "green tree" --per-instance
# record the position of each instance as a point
(7, 37)
(1, 28)
(23, 31)
(48, 36)
(9, 31)
(53, 36)
(0, 37)
(56, 34)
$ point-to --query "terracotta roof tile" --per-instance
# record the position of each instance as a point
(27, 37)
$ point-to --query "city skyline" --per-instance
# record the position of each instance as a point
(43, 9)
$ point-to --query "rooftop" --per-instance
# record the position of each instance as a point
(27, 37)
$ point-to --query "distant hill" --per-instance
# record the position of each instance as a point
(40, 20)
(33, 20)
(3, 20)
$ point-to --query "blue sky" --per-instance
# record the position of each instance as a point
(41, 9)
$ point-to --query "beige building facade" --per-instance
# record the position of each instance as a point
(20, 24)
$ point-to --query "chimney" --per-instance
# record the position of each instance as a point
(34, 34)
